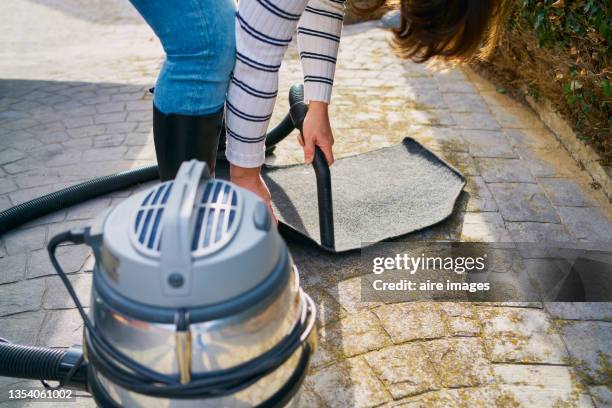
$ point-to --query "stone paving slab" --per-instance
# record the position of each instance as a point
(411, 321)
(496, 170)
(72, 108)
(577, 311)
(602, 396)
(589, 348)
(522, 336)
(492, 144)
(523, 202)
(588, 223)
(350, 383)
(405, 369)
(564, 192)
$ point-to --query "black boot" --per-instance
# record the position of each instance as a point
(179, 138)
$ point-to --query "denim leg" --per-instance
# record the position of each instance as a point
(198, 38)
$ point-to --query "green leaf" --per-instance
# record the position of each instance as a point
(604, 30)
(606, 87)
(566, 88)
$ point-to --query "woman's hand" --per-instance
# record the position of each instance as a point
(316, 131)
(250, 179)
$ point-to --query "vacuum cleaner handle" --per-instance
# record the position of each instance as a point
(176, 235)
(297, 111)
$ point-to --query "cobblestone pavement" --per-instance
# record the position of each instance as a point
(73, 105)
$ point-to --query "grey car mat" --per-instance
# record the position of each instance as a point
(377, 195)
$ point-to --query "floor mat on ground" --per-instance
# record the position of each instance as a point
(377, 195)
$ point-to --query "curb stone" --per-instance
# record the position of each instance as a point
(584, 154)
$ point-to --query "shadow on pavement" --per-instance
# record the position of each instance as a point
(110, 12)
(57, 133)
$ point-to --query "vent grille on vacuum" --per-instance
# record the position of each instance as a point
(216, 217)
(147, 226)
(215, 213)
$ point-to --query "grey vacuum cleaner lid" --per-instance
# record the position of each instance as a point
(190, 242)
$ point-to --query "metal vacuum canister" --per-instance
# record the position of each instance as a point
(192, 277)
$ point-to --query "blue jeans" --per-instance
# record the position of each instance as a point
(198, 37)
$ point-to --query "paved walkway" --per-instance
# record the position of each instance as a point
(73, 105)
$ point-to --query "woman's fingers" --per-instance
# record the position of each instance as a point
(324, 143)
(328, 153)
(309, 149)
(316, 131)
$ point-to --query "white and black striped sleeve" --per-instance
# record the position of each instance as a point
(318, 35)
(264, 28)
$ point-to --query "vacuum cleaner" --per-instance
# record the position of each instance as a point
(195, 302)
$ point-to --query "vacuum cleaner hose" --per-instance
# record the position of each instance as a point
(15, 216)
(30, 362)
(297, 112)
(43, 363)
(280, 131)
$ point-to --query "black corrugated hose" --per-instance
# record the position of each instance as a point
(31, 362)
(22, 213)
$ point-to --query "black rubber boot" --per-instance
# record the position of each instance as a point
(179, 138)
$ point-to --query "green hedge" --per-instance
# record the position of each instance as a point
(562, 27)
(556, 23)
(561, 50)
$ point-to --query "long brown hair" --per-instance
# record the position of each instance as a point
(450, 29)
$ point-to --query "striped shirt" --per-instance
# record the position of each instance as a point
(264, 28)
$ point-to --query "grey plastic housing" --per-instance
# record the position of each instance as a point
(239, 264)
